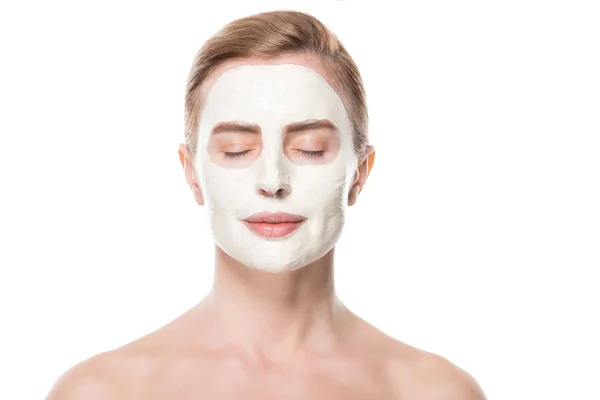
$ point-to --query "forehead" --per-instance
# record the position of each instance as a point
(279, 93)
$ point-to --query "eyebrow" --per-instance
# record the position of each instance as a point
(235, 127)
(291, 128)
(310, 124)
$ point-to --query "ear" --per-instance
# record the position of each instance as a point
(362, 173)
(185, 158)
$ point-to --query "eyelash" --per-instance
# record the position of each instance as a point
(238, 154)
(312, 154)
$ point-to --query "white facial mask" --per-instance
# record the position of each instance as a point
(273, 96)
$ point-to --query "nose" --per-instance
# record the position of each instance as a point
(274, 180)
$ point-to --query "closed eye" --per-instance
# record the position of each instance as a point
(311, 154)
(237, 154)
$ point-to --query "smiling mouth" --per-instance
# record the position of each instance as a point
(273, 225)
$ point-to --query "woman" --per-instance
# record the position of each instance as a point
(276, 150)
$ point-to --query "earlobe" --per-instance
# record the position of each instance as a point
(198, 195)
(353, 194)
(188, 168)
(195, 186)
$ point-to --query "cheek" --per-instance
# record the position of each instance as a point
(226, 188)
(319, 185)
(313, 187)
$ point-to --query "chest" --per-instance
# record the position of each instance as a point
(225, 385)
(313, 392)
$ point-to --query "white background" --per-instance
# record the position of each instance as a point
(477, 236)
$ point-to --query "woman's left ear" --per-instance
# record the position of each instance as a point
(364, 169)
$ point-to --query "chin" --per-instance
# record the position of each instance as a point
(287, 265)
(275, 269)
(275, 266)
(302, 248)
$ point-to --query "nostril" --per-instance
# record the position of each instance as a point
(266, 193)
(281, 192)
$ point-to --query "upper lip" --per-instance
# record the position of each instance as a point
(274, 218)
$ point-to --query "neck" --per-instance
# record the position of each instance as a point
(276, 314)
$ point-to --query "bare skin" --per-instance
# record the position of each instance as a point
(267, 336)
(259, 335)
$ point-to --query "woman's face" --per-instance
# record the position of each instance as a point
(275, 162)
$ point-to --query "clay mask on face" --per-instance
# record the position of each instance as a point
(270, 166)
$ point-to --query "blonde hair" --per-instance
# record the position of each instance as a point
(270, 35)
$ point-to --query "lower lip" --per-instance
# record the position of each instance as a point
(273, 230)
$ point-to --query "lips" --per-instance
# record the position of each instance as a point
(274, 225)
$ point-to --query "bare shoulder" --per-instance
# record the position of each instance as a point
(109, 375)
(418, 374)
(412, 373)
(121, 373)
(90, 379)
